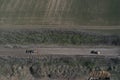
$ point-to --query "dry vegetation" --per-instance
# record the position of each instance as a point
(56, 67)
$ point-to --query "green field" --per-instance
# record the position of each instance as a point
(60, 12)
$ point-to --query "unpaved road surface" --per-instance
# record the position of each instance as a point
(115, 52)
(9, 27)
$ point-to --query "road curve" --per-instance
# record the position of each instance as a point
(59, 51)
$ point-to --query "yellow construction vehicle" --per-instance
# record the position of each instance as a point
(99, 75)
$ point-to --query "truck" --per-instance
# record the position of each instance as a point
(95, 52)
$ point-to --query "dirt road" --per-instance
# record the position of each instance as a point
(115, 52)
(7, 27)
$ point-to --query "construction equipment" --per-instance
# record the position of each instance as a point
(99, 75)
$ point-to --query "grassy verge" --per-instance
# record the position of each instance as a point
(105, 31)
(55, 36)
